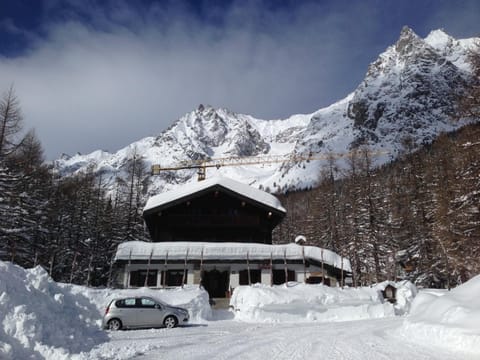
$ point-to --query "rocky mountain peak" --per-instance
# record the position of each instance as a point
(438, 37)
(408, 42)
(205, 111)
(407, 93)
(412, 81)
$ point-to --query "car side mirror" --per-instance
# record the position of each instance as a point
(157, 306)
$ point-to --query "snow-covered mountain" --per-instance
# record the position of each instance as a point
(407, 96)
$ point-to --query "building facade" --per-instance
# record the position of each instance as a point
(218, 233)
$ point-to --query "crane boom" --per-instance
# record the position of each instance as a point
(202, 164)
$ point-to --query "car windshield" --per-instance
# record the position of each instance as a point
(161, 303)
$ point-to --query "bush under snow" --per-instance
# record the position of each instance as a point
(302, 302)
(447, 319)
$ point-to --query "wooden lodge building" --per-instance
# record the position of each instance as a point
(218, 233)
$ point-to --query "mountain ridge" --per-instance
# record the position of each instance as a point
(407, 95)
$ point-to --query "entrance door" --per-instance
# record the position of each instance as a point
(216, 283)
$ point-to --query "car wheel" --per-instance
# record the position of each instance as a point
(114, 324)
(170, 321)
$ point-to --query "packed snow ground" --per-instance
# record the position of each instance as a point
(41, 319)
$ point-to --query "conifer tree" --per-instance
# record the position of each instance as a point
(469, 100)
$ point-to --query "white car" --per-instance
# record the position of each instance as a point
(142, 312)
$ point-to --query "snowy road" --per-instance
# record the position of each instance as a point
(228, 339)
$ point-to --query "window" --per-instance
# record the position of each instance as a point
(175, 277)
(318, 280)
(279, 276)
(255, 277)
(137, 278)
(148, 303)
(130, 302)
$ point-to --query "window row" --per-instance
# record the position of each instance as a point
(171, 278)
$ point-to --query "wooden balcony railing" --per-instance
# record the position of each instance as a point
(210, 221)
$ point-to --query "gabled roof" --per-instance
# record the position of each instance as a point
(187, 190)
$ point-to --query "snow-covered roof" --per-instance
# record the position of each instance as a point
(232, 185)
(140, 250)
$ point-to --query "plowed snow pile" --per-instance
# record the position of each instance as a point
(449, 319)
(40, 320)
(300, 302)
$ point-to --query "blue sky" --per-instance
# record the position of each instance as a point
(102, 74)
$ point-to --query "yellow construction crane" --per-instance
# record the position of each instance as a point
(202, 165)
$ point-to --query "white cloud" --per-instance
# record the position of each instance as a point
(128, 73)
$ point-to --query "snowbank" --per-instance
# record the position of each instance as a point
(41, 320)
(449, 319)
(301, 302)
(190, 297)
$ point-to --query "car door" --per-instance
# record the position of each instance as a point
(128, 312)
(151, 314)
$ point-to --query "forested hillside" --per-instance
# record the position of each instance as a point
(66, 224)
(420, 214)
(418, 217)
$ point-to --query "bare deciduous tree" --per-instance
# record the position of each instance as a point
(11, 120)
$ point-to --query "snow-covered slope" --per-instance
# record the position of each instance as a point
(407, 97)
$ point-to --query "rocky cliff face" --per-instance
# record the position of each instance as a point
(409, 91)
(407, 96)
